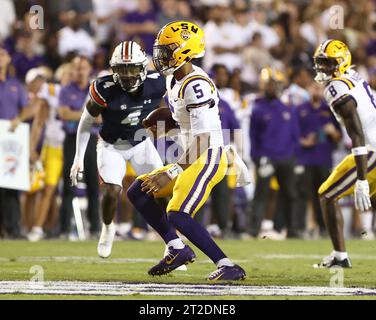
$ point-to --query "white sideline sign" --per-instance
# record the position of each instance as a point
(14, 156)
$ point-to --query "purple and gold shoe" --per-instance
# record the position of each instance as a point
(227, 273)
(174, 259)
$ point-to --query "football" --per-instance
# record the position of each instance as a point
(162, 114)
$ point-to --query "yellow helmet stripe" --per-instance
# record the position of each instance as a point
(189, 80)
(348, 82)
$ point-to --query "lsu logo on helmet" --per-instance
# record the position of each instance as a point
(177, 43)
(332, 59)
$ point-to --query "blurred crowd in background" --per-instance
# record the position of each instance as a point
(290, 140)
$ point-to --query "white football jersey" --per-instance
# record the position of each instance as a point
(193, 102)
(352, 84)
(54, 134)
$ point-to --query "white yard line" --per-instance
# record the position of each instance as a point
(158, 289)
(92, 259)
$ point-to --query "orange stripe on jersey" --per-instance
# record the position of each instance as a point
(94, 95)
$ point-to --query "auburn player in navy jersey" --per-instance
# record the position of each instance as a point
(123, 99)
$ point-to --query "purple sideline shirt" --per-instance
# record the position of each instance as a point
(274, 130)
(74, 98)
(228, 119)
(147, 38)
(313, 120)
(13, 98)
(23, 64)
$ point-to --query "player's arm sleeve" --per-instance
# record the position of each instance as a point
(338, 92)
(90, 112)
(97, 94)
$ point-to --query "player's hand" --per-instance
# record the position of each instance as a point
(76, 172)
(361, 195)
(155, 183)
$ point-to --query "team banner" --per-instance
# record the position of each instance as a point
(14, 157)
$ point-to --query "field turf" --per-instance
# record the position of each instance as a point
(267, 263)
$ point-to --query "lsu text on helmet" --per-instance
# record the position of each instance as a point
(177, 43)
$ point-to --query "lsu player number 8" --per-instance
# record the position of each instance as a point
(353, 104)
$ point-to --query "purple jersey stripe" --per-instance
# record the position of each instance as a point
(214, 171)
(350, 172)
(198, 179)
(348, 185)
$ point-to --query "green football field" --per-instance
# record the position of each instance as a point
(275, 269)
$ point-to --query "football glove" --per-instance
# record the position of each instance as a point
(361, 195)
(76, 172)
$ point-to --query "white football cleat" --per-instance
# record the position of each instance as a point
(106, 240)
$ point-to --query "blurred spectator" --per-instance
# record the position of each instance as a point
(73, 39)
(7, 18)
(312, 29)
(259, 24)
(71, 101)
(256, 57)
(169, 12)
(319, 133)
(371, 42)
(49, 128)
(141, 24)
(25, 56)
(13, 102)
(274, 138)
(107, 14)
(222, 47)
(297, 93)
(83, 8)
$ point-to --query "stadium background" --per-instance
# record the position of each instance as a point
(252, 35)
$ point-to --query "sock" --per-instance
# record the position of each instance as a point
(151, 212)
(367, 218)
(340, 255)
(108, 226)
(176, 244)
(225, 262)
(197, 234)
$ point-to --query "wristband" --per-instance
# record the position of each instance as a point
(174, 171)
(359, 151)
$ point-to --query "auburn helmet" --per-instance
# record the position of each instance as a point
(129, 64)
(332, 59)
(176, 44)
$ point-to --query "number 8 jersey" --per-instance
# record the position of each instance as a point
(352, 86)
(193, 101)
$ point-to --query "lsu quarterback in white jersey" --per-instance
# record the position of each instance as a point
(351, 100)
(193, 101)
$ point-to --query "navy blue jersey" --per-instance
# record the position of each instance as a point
(123, 112)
